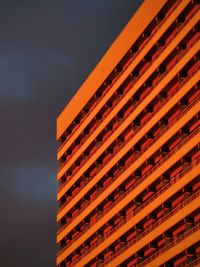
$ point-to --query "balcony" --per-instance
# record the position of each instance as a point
(131, 56)
(135, 157)
(126, 245)
(130, 136)
(103, 117)
(124, 220)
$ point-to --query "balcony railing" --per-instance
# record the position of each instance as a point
(174, 180)
(136, 105)
(133, 186)
(144, 233)
(193, 263)
(176, 32)
(142, 152)
(127, 65)
(171, 244)
(133, 107)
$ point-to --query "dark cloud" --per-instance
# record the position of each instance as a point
(47, 49)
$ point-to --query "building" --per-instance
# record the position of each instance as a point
(129, 187)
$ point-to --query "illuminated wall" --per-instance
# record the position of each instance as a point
(129, 148)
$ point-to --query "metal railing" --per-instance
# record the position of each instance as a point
(142, 152)
(127, 65)
(174, 180)
(193, 263)
(177, 30)
(133, 108)
(140, 236)
(136, 184)
(171, 244)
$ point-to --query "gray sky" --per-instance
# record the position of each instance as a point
(47, 49)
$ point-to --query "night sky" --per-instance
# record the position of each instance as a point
(47, 49)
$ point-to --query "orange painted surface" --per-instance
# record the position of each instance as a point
(108, 62)
(129, 169)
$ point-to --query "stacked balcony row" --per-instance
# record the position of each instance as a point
(119, 193)
(113, 188)
(140, 42)
(189, 257)
(147, 34)
(169, 237)
(122, 191)
(152, 220)
(130, 106)
(126, 187)
(140, 146)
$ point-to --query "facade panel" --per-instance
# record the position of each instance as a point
(128, 155)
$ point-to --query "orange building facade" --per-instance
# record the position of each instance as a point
(129, 187)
